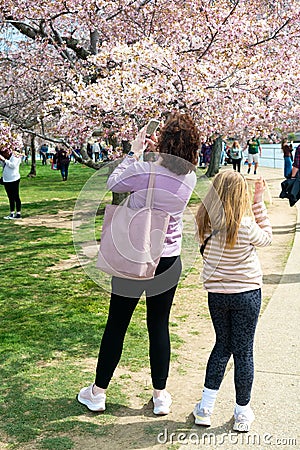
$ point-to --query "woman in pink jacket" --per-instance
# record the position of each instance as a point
(175, 180)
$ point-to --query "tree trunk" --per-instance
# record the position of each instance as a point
(214, 164)
(94, 42)
(126, 146)
(117, 197)
(32, 172)
(112, 140)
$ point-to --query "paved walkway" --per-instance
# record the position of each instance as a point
(275, 398)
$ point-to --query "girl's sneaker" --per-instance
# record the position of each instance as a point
(91, 401)
(243, 421)
(162, 404)
(202, 416)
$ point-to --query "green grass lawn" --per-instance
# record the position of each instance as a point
(52, 322)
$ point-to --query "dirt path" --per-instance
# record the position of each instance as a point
(135, 427)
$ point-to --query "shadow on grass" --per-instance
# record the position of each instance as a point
(48, 207)
(286, 229)
(27, 417)
(61, 423)
(50, 329)
(287, 278)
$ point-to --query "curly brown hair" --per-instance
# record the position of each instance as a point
(179, 138)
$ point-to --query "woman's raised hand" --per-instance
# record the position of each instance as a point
(138, 145)
(152, 143)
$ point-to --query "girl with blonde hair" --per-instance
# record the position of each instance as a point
(229, 229)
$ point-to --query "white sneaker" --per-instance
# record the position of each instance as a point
(202, 416)
(162, 404)
(243, 421)
(93, 402)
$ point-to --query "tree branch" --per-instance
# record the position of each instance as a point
(23, 28)
(94, 41)
(84, 159)
(58, 40)
(142, 3)
(274, 35)
(231, 12)
(152, 20)
(34, 33)
(213, 35)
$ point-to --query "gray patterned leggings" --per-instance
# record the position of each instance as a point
(234, 318)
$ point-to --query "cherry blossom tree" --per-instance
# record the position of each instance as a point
(233, 64)
(9, 140)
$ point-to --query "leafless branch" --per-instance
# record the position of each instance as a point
(59, 41)
(213, 35)
(34, 33)
(273, 36)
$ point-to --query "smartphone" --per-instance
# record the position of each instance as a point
(152, 126)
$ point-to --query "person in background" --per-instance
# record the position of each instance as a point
(236, 155)
(62, 159)
(200, 157)
(44, 154)
(296, 163)
(103, 150)
(288, 157)
(51, 153)
(254, 149)
(76, 151)
(10, 162)
(229, 230)
(97, 151)
(89, 150)
(25, 154)
(223, 154)
(175, 179)
(206, 150)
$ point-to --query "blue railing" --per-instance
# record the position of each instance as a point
(271, 156)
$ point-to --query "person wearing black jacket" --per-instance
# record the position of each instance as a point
(62, 159)
(290, 188)
(296, 163)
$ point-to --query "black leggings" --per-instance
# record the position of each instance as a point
(158, 311)
(12, 190)
(234, 317)
(236, 163)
